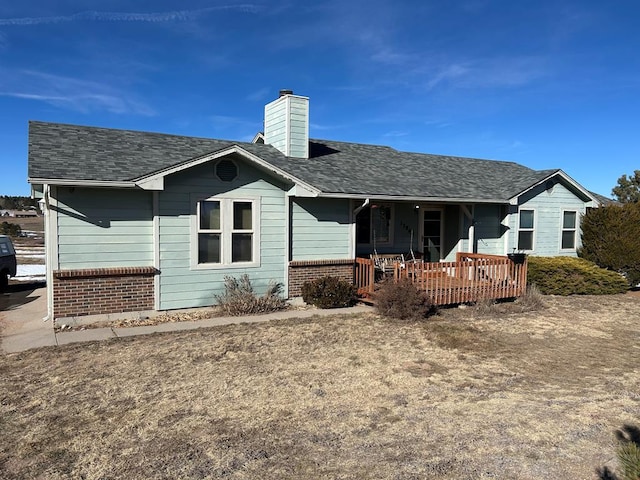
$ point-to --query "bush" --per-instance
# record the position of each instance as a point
(573, 276)
(403, 301)
(239, 297)
(610, 239)
(11, 229)
(532, 300)
(628, 454)
(329, 292)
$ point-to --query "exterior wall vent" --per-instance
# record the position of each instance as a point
(226, 170)
(286, 124)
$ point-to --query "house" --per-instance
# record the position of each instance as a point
(139, 221)
(18, 213)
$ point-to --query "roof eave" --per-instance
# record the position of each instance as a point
(65, 182)
(414, 198)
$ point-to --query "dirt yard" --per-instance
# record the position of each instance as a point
(466, 395)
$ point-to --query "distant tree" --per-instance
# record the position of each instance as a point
(628, 188)
(8, 202)
(610, 239)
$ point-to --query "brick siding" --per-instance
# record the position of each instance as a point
(302, 270)
(102, 290)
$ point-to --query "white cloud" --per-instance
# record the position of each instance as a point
(389, 56)
(259, 95)
(488, 73)
(222, 120)
(395, 134)
(71, 93)
(447, 73)
(157, 17)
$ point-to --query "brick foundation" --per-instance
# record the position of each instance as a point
(301, 271)
(102, 290)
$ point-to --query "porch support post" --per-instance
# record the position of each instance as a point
(472, 243)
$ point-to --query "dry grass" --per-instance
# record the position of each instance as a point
(518, 395)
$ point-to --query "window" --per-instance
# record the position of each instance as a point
(209, 232)
(525, 230)
(226, 232)
(374, 225)
(242, 233)
(569, 221)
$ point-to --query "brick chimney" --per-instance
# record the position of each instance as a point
(286, 124)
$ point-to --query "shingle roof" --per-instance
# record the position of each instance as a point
(351, 168)
(70, 152)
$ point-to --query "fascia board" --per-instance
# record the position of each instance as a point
(79, 183)
(401, 198)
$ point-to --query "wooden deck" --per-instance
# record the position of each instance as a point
(471, 278)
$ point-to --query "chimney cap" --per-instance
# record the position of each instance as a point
(284, 92)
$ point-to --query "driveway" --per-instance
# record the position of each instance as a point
(22, 311)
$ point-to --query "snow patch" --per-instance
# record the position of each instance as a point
(30, 272)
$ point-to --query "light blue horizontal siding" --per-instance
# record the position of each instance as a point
(548, 204)
(275, 124)
(298, 140)
(100, 228)
(320, 229)
(184, 287)
(71, 249)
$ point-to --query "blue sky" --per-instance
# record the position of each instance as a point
(546, 84)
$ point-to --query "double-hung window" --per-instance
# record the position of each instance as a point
(569, 230)
(226, 233)
(526, 229)
(209, 232)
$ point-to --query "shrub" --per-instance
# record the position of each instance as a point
(11, 229)
(329, 292)
(403, 301)
(628, 454)
(610, 239)
(532, 300)
(573, 276)
(239, 297)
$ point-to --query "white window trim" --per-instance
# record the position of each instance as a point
(575, 230)
(392, 214)
(533, 230)
(226, 231)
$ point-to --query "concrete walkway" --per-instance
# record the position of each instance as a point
(22, 324)
(23, 327)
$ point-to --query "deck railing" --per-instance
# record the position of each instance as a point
(364, 276)
(471, 278)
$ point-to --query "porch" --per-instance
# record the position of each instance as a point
(472, 277)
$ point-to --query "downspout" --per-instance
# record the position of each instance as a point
(156, 248)
(48, 256)
(354, 238)
(287, 240)
(364, 204)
